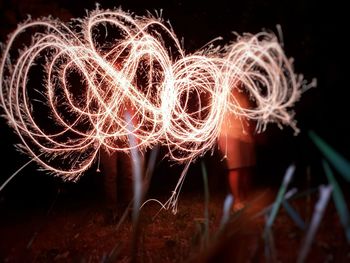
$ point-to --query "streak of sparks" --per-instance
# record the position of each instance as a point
(178, 100)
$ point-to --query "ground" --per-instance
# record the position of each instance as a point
(80, 230)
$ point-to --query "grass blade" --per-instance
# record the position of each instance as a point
(270, 248)
(325, 192)
(280, 196)
(294, 215)
(339, 200)
(136, 164)
(226, 211)
(270, 252)
(337, 160)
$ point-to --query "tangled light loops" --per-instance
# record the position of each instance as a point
(96, 69)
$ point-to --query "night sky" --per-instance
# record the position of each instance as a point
(314, 35)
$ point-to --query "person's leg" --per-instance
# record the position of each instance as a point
(126, 179)
(247, 175)
(109, 173)
(234, 179)
(240, 185)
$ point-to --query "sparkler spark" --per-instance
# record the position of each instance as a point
(136, 64)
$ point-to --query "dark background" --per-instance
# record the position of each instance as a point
(315, 35)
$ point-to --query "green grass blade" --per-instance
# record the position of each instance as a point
(270, 248)
(294, 215)
(270, 252)
(280, 196)
(339, 200)
(338, 161)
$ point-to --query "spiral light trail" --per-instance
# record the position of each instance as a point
(66, 93)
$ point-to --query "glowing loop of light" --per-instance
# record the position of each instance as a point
(175, 99)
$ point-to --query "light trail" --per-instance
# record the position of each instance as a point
(136, 64)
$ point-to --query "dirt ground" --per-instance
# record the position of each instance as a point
(81, 230)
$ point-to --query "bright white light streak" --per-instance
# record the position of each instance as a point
(177, 99)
